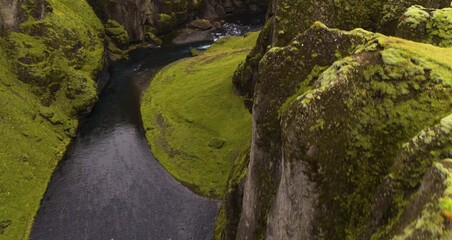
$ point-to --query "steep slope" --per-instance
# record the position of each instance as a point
(277, 182)
(47, 70)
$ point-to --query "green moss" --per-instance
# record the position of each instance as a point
(415, 15)
(303, 87)
(436, 215)
(165, 22)
(164, 18)
(430, 221)
(153, 38)
(47, 73)
(440, 27)
(117, 33)
(446, 204)
(193, 99)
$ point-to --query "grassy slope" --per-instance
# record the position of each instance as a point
(30, 144)
(191, 103)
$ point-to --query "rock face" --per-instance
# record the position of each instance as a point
(362, 133)
(142, 17)
(333, 115)
(12, 14)
(9, 14)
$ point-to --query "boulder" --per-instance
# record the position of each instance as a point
(201, 24)
(426, 25)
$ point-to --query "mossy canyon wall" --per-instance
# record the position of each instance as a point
(350, 136)
(351, 129)
(51, 55)
(53, 63)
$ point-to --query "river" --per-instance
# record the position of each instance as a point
(109, 185)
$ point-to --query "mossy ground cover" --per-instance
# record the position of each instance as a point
(30, 148)
(190, 108)
(55, 59)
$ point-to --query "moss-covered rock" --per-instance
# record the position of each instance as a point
(55, 54)
(394, 9)
(202, 24)
(427, 25)
(351, 127)
(280, 72)
(347, 119)
(269, 92)
(117, 33)
(152, 38)
(288, 18)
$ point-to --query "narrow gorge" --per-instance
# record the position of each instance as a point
(225, 119)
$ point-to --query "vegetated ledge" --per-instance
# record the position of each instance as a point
(195, 124)
(47, 77)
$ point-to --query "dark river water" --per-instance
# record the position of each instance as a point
(109, 186)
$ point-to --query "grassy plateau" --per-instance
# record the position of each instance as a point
(195, 124)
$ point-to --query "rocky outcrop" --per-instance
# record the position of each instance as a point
(393, 9)
(286, 19)
(426, 25)
(279, 181)
(143, 19)
(350, 137)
